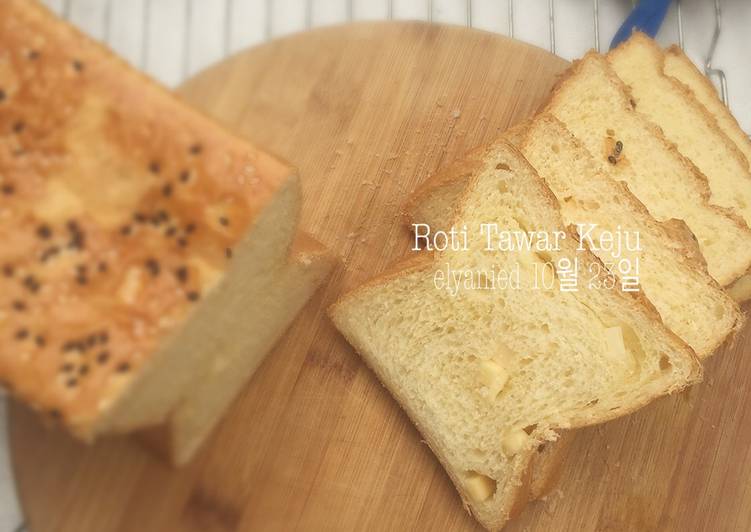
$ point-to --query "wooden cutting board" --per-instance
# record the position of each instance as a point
(368, 111)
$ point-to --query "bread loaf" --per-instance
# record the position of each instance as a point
(131, 226)
(596, 106)
(488, 375)
(680, 68)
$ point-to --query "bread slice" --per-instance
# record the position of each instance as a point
(669, 275)
(131, 226)
(640, 63)
(680, 68)
(595, 105)
(274, 308)
(488, 375)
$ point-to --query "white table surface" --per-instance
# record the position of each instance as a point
(172, 39)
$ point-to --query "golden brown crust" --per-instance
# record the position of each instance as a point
(121, 206)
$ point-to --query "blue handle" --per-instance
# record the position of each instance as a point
(647, 16)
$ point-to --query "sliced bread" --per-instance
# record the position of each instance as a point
(276, 302)
(596, 106)
(668, 103)
(130, 226)
(679, 67)
(488, 373)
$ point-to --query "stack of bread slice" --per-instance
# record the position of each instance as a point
(607, 163)
(150, 257)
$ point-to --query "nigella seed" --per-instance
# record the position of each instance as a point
(193, 295)
(44, 232)
(612, 159)
(40, 340)
(8, 270)
(228, 253)
(184, 176)
(67, 367)
(190, 228)
(224, 221)
(155, 167)
(22, 334)
(102, 267)
(31, 284)
(48, 253)
(19, 305)
(171, 231)
(83, 370)
(125, 230)
(618, 147)
(195, 149)
(123, 367)
(2, 95)
(18, 127)
(78, 66)
(167, 190)
(103, 357)
(55, 414)
(153, 266)
(72, 382)
(8, 189)
(139, 217)
(182, 242)
(33, 55)
(182, 274)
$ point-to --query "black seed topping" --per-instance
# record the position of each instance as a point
(224, 221)
(612, 159)
(48, 253)
(18, 127)
(182, 274)
(77, 236)
(73, 226)
(83, 370)
(31, 284)
(125, 230)
(123, 367)
(44, 232)
(2, 95)
(8, 270)
(40, 340)
(185, 176)
(190, 228)
(182, 242)
(55, 414)
(618, 147)
(102, 267)
(92, 340)
(78, 66)
(19, 305)
(8, 189)
(22, 334)
(228, 253)
(155, 167)
(195, 149)
(193, 296)
(33, 55)
(171, 231)
(139, 217)
(103, 357)
(104, 337)
(72, 382)
(153, 266)
(82, 274)
(167, 190)
(67, 367)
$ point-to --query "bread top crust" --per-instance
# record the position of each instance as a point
(120, 207)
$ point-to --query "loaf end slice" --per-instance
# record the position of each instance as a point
(277, 298)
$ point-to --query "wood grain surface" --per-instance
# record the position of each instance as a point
(367, 112)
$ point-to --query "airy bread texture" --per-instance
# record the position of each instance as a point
(277, 298)
(597, 108)
(131, 224)
(680, 68)
(488, 375)
(640, 63)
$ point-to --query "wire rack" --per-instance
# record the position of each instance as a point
(711, 70)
